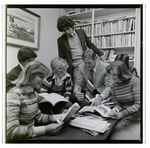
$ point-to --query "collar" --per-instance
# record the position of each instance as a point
(63, 78)
(73, 33)
(28, 89)
(94, 69)
(21, 66)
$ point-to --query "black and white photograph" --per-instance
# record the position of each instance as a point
(22, 27)
(74, 74)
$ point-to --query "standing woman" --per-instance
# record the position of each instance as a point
(126, 95)
(22, 107)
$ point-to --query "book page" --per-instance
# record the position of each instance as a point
(100, 109)
(71, 111)
(53, 98)
(103, 110)
(86, 122)
(87, 109)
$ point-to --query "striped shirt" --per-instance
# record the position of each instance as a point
(22, 113)
(127, 96)
(50, 86)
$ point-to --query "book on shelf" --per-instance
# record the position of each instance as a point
(79, 10)
(69, 113)
(52, 98)
(71, 12)
(102, 110)
(115, 40)
(107, 54)
(111, 53)
(86, 28)
(115, 26)
(112, 58)
(131, 57)
(80, 22)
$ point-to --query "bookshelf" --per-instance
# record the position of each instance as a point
(113, 31)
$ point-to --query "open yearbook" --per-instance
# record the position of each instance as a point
(52, 98)
(100, 109)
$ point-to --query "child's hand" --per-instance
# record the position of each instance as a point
(40, 98)
(114, 111)
(118, 116)
(58, 118)
(53, 128)
(115, 114)
(97, 101)
(67, 98)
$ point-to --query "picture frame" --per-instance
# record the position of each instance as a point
(23, 27)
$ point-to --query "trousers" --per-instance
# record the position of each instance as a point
(126, 131)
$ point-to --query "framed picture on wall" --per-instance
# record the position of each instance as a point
(23, 27)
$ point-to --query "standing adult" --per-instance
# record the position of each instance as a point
(91, 79)
(25, 55)
(72, 44)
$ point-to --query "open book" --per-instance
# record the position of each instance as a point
(100, 109)
(70, 111)
(52, 98)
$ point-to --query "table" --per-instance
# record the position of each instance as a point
(70, 134)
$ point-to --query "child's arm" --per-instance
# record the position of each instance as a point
(47, 82)
(68, 88)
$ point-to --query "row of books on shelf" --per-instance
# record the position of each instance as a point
(115, 26)
(110, 55)
(79, 10)
(80, 22)
(115, 40)
(87, 29)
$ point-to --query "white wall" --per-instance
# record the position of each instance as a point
(48, 38)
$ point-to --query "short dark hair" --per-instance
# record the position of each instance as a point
(26, 53)
(64, 21)
(88, 53)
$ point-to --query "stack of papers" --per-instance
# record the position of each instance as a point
(93, 133)
(93, 124)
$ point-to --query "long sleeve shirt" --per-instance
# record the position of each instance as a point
(65, 89)
(127, 96)
(101, 79)
(22, 113)
(64, 49)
